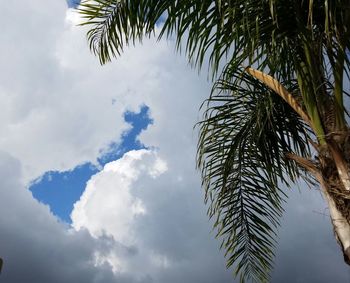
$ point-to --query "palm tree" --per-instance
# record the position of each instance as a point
(275, 115)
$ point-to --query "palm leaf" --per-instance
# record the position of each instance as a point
(116, 24)
(234, 31)
(245, 133)
(218, 30)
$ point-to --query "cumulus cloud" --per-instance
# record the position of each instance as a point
(107, 204)
(137, 201)
(35, 246)
(49, 92)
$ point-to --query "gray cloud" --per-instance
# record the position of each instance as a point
(34, 245)
(307, 250)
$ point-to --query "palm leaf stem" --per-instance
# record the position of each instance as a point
(281, 91)
(310, 103)
(338, 71)
(307, 164)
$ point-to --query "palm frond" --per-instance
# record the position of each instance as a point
(245, 133)
(118, 23)
(234, 31)
(229, 30)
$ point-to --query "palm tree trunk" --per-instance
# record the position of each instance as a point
(334, 180)
(340, 224)
(332, 174)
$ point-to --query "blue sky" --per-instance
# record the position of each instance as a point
(60, 190)
(140, 218)
(73, 3)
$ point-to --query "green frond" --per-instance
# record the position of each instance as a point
(118, 23)
(245, 133)
(216, 29)
(268, 33)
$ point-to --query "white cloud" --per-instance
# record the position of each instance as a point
(73, 18)
(108, 204)
(58, 99)
(56, 96)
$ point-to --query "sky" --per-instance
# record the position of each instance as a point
(98, 166)
(60, 190)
